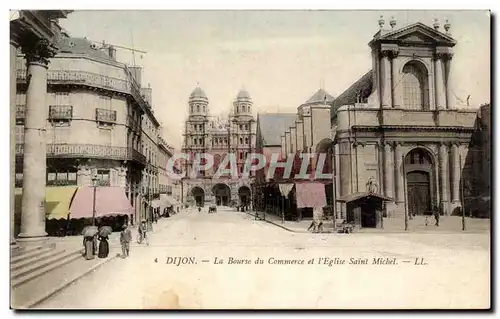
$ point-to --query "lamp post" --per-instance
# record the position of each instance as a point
(94, 183)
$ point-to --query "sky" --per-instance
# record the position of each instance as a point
(280, 57)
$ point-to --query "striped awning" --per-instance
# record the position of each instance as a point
(57, 201)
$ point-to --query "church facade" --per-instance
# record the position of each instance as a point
(218, 137)
(399, 129)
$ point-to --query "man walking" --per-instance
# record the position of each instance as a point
(125, 239)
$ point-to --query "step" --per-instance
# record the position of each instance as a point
(19, 253)
(30, 254)
(37, 258)
(34, 292)
(46, 266)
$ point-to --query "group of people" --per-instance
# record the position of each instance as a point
(102, 250)
(317, 222)
(92, 249)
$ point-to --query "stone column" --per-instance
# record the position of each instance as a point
(35, 144)
(13, 57)
(400, 178)
(455, 181)
(388, 170)
(443, 177)
(397, 83)
(385, 74)
(450, 100)
(439, 80)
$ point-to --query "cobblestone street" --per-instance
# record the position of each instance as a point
(460, 272)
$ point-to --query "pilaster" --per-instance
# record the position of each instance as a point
(443, 177)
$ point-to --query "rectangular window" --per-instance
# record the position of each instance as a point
(62, 176)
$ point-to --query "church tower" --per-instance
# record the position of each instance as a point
(196, 127)
(242, 127)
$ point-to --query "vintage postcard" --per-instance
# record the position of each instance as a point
(250, 159)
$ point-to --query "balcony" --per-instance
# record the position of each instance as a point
(89, 79)
(105, 116)
(61, 182)
(20, 114)
(133, 124)
(60, 112)
(89, 151)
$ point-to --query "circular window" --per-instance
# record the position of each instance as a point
(71, 44)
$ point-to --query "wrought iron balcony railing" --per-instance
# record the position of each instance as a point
(127, 86)
(89, 151)
(61, 182)
(105, 116)
(60, 112)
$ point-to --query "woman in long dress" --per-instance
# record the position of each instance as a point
(103, 247)
(88, 243)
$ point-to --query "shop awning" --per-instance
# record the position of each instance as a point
(57, 201)
(167, 201)
(109, 200)
(310, 194)
(285, 189)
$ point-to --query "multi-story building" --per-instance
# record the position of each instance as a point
(218, 137)
(100, 123)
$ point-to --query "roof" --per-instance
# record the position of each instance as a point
(355, 196)
(350, 96)
(418, 32)
(243, 94)
(198, 93)
(81, 46)
(320, 97)
(273, 125)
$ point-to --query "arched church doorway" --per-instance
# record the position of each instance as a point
(199, 195)
(222, 194)
(419, 172)
(245, 195)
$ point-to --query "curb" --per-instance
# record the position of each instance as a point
(273, 223)
(67, 283)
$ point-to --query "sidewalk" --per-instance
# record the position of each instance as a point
(448, 224)
(45, 286)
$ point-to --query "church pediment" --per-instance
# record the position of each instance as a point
(418, 33)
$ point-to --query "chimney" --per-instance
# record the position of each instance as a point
(112, 52)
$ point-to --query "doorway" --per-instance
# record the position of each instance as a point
(419, 193)
(244, 194)
(199, 196)
(222, 194)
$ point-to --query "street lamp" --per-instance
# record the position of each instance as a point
(94, 183)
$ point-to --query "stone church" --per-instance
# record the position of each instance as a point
(205, 133)
(399, 127)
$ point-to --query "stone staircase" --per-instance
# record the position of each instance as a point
(28, 264)
(41, 272)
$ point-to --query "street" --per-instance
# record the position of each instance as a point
(421, 270)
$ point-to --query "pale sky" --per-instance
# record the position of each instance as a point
(280, 57)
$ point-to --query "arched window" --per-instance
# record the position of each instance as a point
(418, 156)
(198, 108)
(415, 86)
(246, 140)
(191, 109)
(203, 108)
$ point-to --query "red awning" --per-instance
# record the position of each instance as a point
(310, 194)
(108, 201)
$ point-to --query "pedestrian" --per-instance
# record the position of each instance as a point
(318, 218)
(103, 247)
(131, 220)
(436, 215)
(426, 221)
(88, 243)
(143, 229)
(125, 239)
